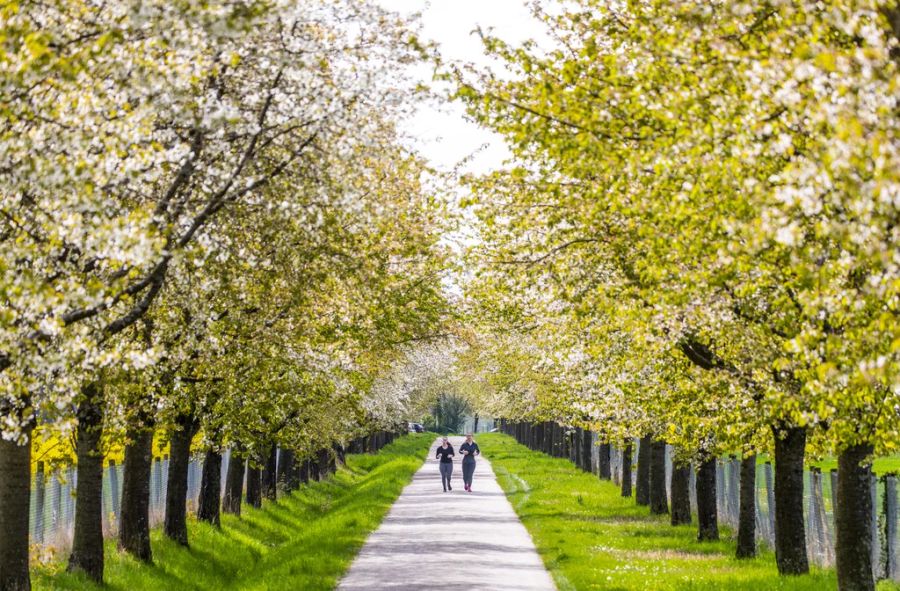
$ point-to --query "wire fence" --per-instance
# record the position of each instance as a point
(818, 508)
(52, 512)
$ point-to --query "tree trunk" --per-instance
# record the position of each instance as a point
(331, 464)
(15, 487)
(642, 487)
(475, 430)
(604, 466)
(586, 452)
(659, 504)
(626, 467)
(681, 493)
(707, 516)
(208, 505)
(254, 485)
(175, 526)
(548, 434)
(87, 540)
(286, 469)
(303, 472)
(134, 524)
(269, 476)
(853, 519)
(790, 530)
(234, 483)
(746, 542)
(323, 461)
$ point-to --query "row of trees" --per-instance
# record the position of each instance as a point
(208, 229)
(697, 242)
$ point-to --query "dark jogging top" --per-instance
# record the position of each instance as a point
(472, 448)
(446, 455)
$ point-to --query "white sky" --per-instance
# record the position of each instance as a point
(442, 133)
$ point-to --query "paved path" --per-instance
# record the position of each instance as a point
(451, 541)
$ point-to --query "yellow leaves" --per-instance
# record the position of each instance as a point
(37, 45)
(827, 61)
(824, 371)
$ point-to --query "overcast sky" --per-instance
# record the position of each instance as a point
(443, 135)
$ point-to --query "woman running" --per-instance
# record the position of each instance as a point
(445, 453)
(469, 450)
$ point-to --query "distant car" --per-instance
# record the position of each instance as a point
(416, 428)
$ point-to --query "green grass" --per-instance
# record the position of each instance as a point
(304, 541)
(591, 538)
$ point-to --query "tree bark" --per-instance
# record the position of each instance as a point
(604, 466)
(209, 503)
(746, 540)
(15, 487)
(560, 448)
(234, 483)
(175, 526)
(87, 540)
(254, 485)
(681, 493)
(790, 530)
(577, 446)
(853, 519)
(626, 467)
(659, 504)
(323, 462)
(286, 469)
(707, 516)
(303, 476)
(269, 475)
(642, 486)
(586, 451)
(134, 524)
(331, 460)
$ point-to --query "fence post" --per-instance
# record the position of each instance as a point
(812, 535)
(822, 522)
(734, 494)
(720, 492)
(57, 503)
(762, 522)
(692, 487)
(892, 568)
(770, 497)
(114, 489)
(72, 481)
(39, 491)
(164, 483)
(154, 488)
(876, 543)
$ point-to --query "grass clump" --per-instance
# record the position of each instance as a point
(306, 540)
(589, 537)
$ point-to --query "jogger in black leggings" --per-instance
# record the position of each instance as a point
(469, 450)
(445, 453)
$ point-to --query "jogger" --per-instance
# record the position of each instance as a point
(469, 450)
(445, 453)
(446, 472)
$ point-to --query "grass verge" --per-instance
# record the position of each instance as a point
(589, 537)
(306, 540)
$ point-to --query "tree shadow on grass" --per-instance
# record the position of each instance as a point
(304, 541)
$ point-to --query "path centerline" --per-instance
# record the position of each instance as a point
(453, 541)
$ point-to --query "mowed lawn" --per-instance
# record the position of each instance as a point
(306, 540)
(591, 538)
